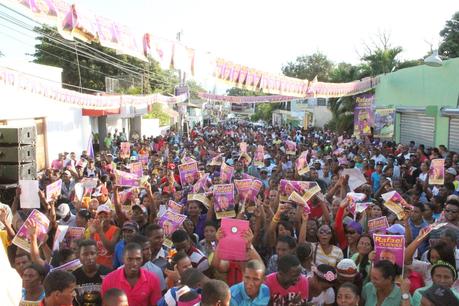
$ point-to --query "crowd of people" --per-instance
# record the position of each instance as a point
(321, 252)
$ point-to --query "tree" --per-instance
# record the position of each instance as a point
(194, 88)
(263, 111)
(380, 57)
(129, 70)
(158, 113)
(309, 66)
(450, 34)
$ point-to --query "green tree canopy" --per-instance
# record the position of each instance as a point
(309, 66)
(450, 34)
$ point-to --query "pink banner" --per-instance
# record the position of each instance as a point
(226, 173)
(391, 248)
(53, 190)
(126, 179)
(136, 168)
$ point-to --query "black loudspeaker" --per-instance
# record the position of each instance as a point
(17, 154)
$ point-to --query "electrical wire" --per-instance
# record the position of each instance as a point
(88, 55)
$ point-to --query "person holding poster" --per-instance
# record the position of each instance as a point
(223, 203)
(382, 289)
(437, 172)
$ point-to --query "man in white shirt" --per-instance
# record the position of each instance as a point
(65, 216)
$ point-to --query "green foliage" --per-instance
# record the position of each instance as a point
(309, 66)
(234, 91)
(158, 113)
(380, 57)
(147, 76)
(450, 34)
(194, 88)
(264, 111)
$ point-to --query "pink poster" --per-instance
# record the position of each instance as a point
(391, 248)
(170, 222)
(125, 150)
(259, 159)
(73, 234)
(188, 173)
(244, 188)
(137, 169)
(224, 205)
(437, 172)
(226, 173)
(201, 184)
(243, 147)
(143, 158)
(126, 179)
(174, 206)
(395, 203)
(22, 236)
(301, 163)
(290, 147)
(304, 189)
(378, 224)
(233, 245)
(53, 190)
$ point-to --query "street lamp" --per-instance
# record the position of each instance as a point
(433, 60)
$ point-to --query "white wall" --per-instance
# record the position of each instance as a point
(66, 128)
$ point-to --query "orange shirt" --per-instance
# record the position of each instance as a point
(105, 257)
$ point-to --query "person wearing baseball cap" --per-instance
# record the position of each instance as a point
(128, 231)
(105, 234)
(65, 215)
(101, 194)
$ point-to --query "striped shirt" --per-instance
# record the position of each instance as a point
(198, 259)
(332, 258)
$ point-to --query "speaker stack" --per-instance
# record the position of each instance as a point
(17, 158)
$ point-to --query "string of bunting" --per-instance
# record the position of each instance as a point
(245, 99)
(11, 78)
(73, 21)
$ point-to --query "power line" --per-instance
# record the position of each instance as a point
(86, 54)
(62, 42)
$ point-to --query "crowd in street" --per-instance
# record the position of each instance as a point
(318, 249)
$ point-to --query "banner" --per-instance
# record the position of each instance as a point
(437, 172)
(224, 205)
(143, 158)
(226, 173)
(170, 222)
(391, 248)
(126, 179)
(364, 115)
(188, 173)
(245, 99)
(243, 147)
(384, 123)
(22, 236)
(301, 164)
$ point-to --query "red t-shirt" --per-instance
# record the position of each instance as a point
(292, 295)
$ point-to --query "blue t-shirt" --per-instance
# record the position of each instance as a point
(118, 254)
(239, 296)
(376, 181)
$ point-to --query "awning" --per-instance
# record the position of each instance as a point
(99, 113)
(406, 109)
(453, 112)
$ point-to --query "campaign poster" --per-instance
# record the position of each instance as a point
(233, 246)
(391, 248)
(290, 147)
(201, 183)
(89, 182)
(301, 163)
(125, 150)
(378, 224)
(136, 168)
(437, 172)
(69, 266)
(244, 188)
(143, 158)
(188, 173)
(126, 179)
(174, 206)
(22, 236)
(224, 205)
(53, 190)
(226, 173)
(255, 188)
(395, 203)
(364, 115)
(384, 123)
(243, 147)
(170, 221)
(305, 189)
(259, 158)
(216, 160)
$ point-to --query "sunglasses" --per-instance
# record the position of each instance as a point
(325, 232)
